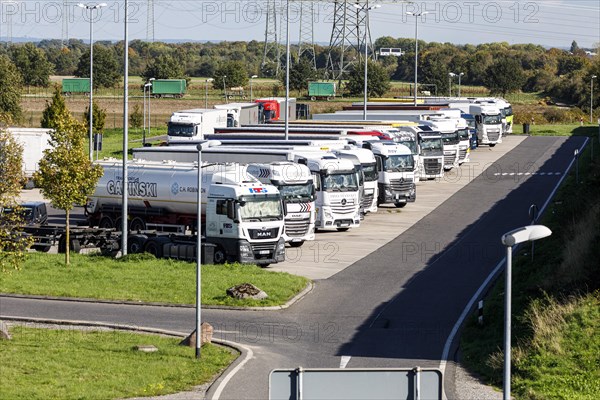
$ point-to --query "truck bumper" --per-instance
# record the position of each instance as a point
(261, 253)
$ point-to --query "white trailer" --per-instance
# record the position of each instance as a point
(240, 215)
(240, 114)
(34, 141)
(193, 125)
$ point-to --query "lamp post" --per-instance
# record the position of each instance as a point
(91, 7)
(125, 174)
(367, 9)
(592, 99)
(149, 108)
(450, 76)
(519, 235)
(416, 15)
(287, 71)
(225, 89)
(207, 144)
(459, 76)
(206, 91)
(252, 78)
(144, 129)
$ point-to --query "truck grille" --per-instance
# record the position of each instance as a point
(493, 136)
(263, 234)
(449, 159)
(401, 185)
(432, 166)
(266, 250)
(367, 200)
(297, 227)
(343, 206)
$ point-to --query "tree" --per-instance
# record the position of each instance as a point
(13, 245)
(300, 73)
(99, 117)
(164, 67)
(234, 72)
(66, 176)
(378, 81)
(136, 119)
(106, 67)
(504, 76)
(33, 64)
(55, 111)
(11, 83)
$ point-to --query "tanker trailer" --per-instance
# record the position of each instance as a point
(241, 216)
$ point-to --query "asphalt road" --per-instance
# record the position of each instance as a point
(393, 308)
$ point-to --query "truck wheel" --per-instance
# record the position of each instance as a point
(106, 223)
(41, 248)
(313, 98)
(137, 224)
(492, 144)
(296, 244)
(135, 244)
(400, 205)
(219, 256)
(154, 247)
(75, 246)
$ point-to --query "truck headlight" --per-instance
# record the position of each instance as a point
(327, 214)
(388, 192)
(245, 249)
(280, 250)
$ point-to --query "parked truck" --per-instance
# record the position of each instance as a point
(192, 125)
(488, 123)
(241, 216)
(321, 90)
(34, 141)
(240, 114)
(169, 88)
(75, 85)
(274, 108)
(450, 138)
(295, 184)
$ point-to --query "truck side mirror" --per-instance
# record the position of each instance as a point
(231, 209)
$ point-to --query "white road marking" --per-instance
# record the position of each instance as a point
(344, 361)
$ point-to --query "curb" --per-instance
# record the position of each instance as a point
(309, 287)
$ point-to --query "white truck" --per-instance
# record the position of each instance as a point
(192, 125)
(488, 123)
(447, 128)
(240, 114)
(241, 216)
(431, 151)
(295, 184)
(396, 172)
(34, 141)
(409, 140)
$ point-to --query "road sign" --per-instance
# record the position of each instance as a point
(356, 383)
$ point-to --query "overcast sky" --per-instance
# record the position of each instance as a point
(547, 22)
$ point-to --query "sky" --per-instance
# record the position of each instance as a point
(546, 22)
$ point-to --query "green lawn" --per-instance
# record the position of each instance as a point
(145, 279)
(73, 364)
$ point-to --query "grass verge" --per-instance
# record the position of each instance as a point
(74, 364)
(143, 279)
(556, 302)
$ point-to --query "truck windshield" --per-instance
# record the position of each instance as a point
(370, 172)
(508, 111)
(431, 145)
(341, 182)
(399, 163)
(185, 130)
(492, 119)
(464, 134)
(260, 208)
(297, 193)
(411, 144)
(450, 138)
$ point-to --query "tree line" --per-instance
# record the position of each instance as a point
(500, 67)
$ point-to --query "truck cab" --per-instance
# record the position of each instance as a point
(450, 138)
(191, 125)
(396, 172)
(488, 123)
(295, 184)
(337, 204)
(431, 151)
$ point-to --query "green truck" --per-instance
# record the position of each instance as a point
(75, 85)
(321, 90)
(168, 87)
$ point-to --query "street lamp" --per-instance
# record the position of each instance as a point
(367, 9)
(206, 144)
(147, 85)
(459, 76)
(510, 239)
(251, 78)
(450, 76)
(286, 126)
(592, 98)
(206, 91)
(149, 109)
(416, 15)
(91, 7)
(225, 89)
